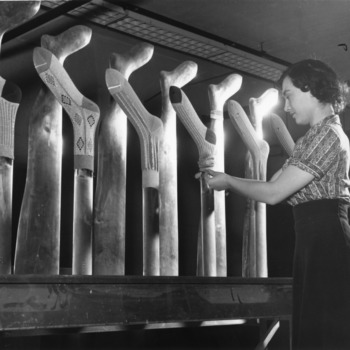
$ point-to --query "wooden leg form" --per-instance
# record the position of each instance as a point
(244, 128)
(84, 115)
(205, 140)
(12, 14)
(110, 195)
(255, 107)
(259, 160)
(150, 132)
(9, 103)
(168, 218)
(40, 217)
(218, 95)
(259, 150)
(282, 133)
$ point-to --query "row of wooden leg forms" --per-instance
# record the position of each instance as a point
(99, 223)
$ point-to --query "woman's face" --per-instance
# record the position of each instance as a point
(300, 105)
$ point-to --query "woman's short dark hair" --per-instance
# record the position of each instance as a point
(318, 78)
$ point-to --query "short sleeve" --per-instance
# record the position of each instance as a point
(317, 153)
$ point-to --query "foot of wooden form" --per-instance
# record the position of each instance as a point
(68, 42)
(128, 62)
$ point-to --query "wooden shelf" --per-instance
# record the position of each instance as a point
(49, 304)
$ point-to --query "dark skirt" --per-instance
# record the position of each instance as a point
(321, 276)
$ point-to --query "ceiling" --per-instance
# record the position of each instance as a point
(280, 29)
(284, 29)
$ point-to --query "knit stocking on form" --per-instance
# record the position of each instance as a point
(204, 138)
(9, 102)
(149, 128)
(218, 95)
(282, 133)
(84, 113)
(243, 126)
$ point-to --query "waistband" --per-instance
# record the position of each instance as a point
(319, 207)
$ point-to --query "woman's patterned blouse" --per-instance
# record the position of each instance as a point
(323, 152)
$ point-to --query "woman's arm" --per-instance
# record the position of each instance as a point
(276, 175)
(282, 185)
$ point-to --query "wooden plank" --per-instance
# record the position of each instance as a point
(72, 302)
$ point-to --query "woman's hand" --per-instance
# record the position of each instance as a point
(216, 180)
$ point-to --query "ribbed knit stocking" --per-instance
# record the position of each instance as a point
(148, 127)
(83, 113)
(9, 102)
(204, 138)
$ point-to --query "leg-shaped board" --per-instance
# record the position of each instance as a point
(12, 14)
(10, 97)
(39, 222)
(205, 140)
(150, 131)
(168, 218)
(259, 150)
(110, 196)
(218, 95)
(84, 115)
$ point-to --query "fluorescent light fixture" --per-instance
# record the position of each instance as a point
(160, 33)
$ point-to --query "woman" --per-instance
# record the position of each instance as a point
(315, 181)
